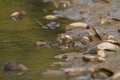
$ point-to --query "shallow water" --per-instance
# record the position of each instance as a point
(17, 39)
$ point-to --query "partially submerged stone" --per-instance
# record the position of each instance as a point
(51, 17)
(18, 15)
(53, 25)
(13, 66)
(42, 44)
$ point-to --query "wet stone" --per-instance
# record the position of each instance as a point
(42, 44)
(14, 66)
(18, 15)
(53, 25)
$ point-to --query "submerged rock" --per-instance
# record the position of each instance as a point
(13, 66)
(42, 44)
(52, 73)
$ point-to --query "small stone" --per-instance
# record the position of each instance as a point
(104, 21)
(101, 53)
(53, 25)
(17, 16)
(50, 17)
(101, 59)
(76, 25)
(111, 37)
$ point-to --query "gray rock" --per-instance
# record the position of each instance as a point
(14, 66)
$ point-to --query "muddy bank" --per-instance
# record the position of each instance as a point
(95, 30)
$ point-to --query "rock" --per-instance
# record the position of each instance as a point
(75, 71)
(101, 59)
(114, 42)
(42, 44)
(51, 17)
(107, 46)
(104, 21)
(86, 40)
(14, 66)
(62, 63)
(102, 74)
(116, 76)
(85, 77)
(76, 25)
(67, 4)
(91, 58)
(101, 53)
(115, 15)
(17, 16)
(53, 73)
(65, 40)
(90, 33)
(98, 33)
(68, 56)
(79, 44)
(53, 25)
(54, 43)
(111, 37)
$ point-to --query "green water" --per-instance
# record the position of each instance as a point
(23, 36)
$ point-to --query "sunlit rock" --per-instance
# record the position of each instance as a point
(17, 16)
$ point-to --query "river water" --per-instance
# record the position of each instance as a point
(17, 42)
